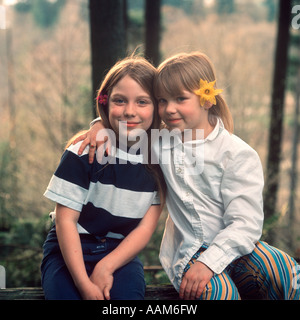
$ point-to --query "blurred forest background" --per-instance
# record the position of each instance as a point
(54, 53)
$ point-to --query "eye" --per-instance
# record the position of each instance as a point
(118, 101)
(143, 102)
(162, 101)
(181, 99)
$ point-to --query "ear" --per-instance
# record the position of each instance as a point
(207, 105)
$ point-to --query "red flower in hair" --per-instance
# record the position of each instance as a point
(102, 99)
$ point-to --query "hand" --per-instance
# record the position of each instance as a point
(103, 279)
(194, 281)
(89, 138)
(90, 291)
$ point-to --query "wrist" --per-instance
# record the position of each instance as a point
(82, 283)
(106, 266)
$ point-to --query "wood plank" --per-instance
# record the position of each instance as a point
(153, 292)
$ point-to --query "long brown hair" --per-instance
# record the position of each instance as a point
(143, 72)
(183, 71)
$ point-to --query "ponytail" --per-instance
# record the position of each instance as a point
(222, 111)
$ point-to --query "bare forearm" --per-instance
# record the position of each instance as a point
(134, 242)
(71, 249)
(128, 249)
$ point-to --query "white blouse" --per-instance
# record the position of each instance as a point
(220, 206)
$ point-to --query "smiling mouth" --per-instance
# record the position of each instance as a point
(130, 123)
(173, 120)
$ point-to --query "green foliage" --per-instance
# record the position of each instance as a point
(149, 255)
(21, 251)
(271, 9)
(136, 4)
(23, 6)
(269, 224)
(186, 5)
(6, 187)
(225, 6)
(136, 18)
(294, 60)
(45, 12)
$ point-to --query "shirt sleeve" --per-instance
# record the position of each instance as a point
(241, 189)
(94, 121)
(70, 183)
(156, 199)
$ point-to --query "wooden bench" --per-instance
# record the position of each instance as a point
(153, 292)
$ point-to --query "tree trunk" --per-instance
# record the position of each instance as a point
(108, 37)
(277, 108)
(152, 36)
(294, 160)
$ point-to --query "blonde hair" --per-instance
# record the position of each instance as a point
(183, 71)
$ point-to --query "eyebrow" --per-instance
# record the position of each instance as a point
(124, 96)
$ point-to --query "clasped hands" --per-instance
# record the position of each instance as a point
(99, 284)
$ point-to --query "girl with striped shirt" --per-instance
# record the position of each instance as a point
(106, 213)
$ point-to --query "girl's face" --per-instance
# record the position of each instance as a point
(131, 106)
(184, 112)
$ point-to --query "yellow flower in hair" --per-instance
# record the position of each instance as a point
(207, 92)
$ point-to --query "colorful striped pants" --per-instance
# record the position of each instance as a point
(266, 273)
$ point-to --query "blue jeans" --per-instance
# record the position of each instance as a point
(57, 283)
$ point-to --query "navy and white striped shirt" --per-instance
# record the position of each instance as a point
(112, 199)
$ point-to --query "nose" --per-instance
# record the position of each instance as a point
(170, 108)
(130, 110)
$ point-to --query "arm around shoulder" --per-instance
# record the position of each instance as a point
(89, 138)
